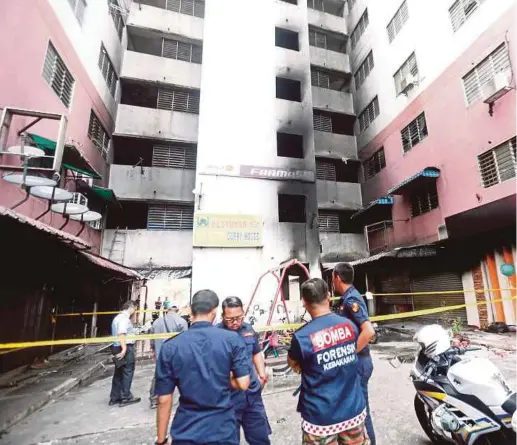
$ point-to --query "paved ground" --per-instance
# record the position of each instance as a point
(83, 417)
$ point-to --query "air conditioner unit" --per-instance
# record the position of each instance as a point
(407, 83)
(496, 87)
(442, 232)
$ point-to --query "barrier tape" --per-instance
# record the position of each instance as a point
(111, 339)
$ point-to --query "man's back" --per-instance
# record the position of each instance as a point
(170, 322)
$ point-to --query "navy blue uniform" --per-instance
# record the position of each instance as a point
(356, 310)
(331, 400)
(198, 362)
(249, 408)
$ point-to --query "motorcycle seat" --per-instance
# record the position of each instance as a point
(509, 405)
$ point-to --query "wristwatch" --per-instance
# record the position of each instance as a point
(165, 442)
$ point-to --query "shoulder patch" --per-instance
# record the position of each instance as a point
(355, 307)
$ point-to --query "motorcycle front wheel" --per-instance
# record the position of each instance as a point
(425, 422)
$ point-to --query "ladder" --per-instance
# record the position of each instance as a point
(118, 246)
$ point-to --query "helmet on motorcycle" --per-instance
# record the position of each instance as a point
(433, 340)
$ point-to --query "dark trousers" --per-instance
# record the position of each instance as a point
(365, 371)
(251, 416)
(123, 375)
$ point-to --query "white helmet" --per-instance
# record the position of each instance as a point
(433, 340)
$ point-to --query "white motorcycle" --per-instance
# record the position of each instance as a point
(460, 400)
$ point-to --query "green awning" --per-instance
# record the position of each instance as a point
(73, 159)
(106, 194)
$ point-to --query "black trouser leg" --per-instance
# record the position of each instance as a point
(116, 383)
(128, 371)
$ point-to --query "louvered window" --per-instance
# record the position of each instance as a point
(375, 164)
(56, 74)
(359, 29)
(461, 11)
(351, 4)
(414, 133)
(424, 200)
(98, 135)
(325, 171)
(316, 4)
(178, 100)
(369, 114)
(403, 77)
(320, 78)
(398, 21)
(317, 39)
(498, 61)
(188, 7)
(117, 18)
(364, 70)
(170, 217)
(188, 52)
(78, 6)
(172, 156)
(322, 122)
(108, 71)
(328, 222)
(498, 165)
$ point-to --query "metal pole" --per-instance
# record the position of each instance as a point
(93, 332)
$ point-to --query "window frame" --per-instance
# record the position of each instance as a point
(78, 12)
(361, 27)
(187, 208)
(409, 67)
(426, 199)
(496, 175)
(402, 14)
(102, 146)
(420, 136)
(105, 61)
(369, 63)
(66, 71)
(374, 164)
(364, 124)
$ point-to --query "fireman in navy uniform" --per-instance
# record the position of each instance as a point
(353, 307)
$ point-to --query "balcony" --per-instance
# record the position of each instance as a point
(331, 60)
(334, 195)
(331, 100)
(342, 246)
(326, 21)
(337, 146)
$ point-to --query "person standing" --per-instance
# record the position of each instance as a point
(170, 322)
(124, 356)
(353, 307)
(166, 304)
(250, 411)
(158, 308)
(331, 401)
(204, 363)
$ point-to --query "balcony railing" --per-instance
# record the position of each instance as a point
(379, 237)
(194, 8)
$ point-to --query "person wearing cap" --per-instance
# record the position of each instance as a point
(250, 411)
(352, 306)
(170, 322)
(205, 363)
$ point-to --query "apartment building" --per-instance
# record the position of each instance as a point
(434, 92)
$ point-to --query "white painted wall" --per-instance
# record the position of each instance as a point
(331, 60)
(326, 21)
(340, 243)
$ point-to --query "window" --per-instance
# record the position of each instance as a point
(414, 133)
(369, 114)
(398, 21)
(424, 200)
(375, 164)
(58, 77)
(328, 221)
(98, 135)
(322, 122)
(473, 82)
(291, 208)
(178, 100)
(359, 29)
(404, 77)
(108, 71)
(351, 4)
(329, 7)
(288, 89)
(287, 39)
(188, 7)
(78, 6)
(320, 78)
(461, 11)
(289, 145)
(498, 165)
(116, 16)
(170, 217)
(188, 52)
(317, 39)
(364, 70)
(171, 156)
(325, 171)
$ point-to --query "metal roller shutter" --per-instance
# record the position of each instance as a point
(395, 284)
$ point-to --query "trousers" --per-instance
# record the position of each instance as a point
(365, 372)
(251, 416)
(123, 376)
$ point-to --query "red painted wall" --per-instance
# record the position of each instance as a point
(27, 26)
(457, 135)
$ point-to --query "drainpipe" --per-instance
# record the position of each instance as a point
(93, 332)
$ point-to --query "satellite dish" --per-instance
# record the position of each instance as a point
(89, 216)
(51, 193)
(78, 205)
(26, 150)
(29, 180)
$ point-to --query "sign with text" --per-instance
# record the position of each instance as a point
(217, 230)
(253, 171)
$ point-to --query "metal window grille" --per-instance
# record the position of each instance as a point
(117, 18)
(369, 114)
(98, 135)
(58, 77)
(79, 7)
(461, 11)
(424, 201)
(359, 29)
(498, 61)
(398, 21)
(170, 217)
(414, 133)
(188, 52)
(375, 164)
(317, 39)
(320, 78)
(174, 157)
(178, 100)
(322, 122)
(409, 67)
(499, 164)
(108, 71)
(325, 171)
(316, 4)
(195, 8)
(328, 222)
(364, 70)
